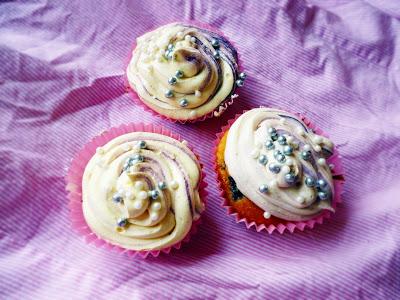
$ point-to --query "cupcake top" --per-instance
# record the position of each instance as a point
(140, 191)
(184, 72)
(280, 164)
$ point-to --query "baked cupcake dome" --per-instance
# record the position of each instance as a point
(184, 72)
(140, 191)
(274, 169)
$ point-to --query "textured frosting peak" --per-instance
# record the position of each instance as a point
(184, 72)
(280, 164)
(140, 191)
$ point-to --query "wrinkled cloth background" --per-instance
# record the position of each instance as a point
(62, 69)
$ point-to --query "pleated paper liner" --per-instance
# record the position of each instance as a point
(74, 188)
(276, 224)
(221, 108)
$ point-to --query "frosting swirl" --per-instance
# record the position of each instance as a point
(280, 164)
(140, 191)
(184, 72)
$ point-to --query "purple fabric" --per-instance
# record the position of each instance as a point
(62, 67)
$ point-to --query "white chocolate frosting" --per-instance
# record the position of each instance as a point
(184, 72)
(278, 163)
(140, 191)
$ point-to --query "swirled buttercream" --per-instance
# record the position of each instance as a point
(280, 164)
(140, 191)
(184, 72)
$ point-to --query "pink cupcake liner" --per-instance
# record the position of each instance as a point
(226, 103)
(74, 187)
(290, 226)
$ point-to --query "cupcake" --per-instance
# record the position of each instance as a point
(137, 188)
(184, 72)
(276, 171)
